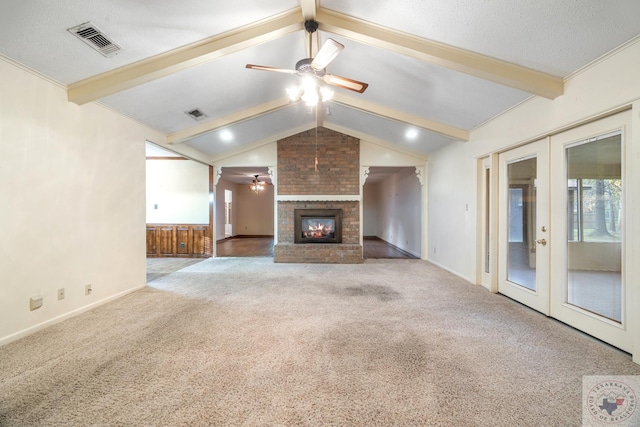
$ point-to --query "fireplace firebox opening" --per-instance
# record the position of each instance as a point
(318, 225)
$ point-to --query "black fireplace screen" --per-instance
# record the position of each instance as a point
(318, 226)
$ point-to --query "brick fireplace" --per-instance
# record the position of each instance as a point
(334, 187)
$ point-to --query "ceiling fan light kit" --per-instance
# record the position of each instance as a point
(310, 92)
(256, 185)
(313, 72)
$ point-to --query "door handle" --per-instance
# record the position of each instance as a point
(542, 242)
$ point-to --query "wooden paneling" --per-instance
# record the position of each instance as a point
(178, 240)
(166, 241)
(182, 240)
(198, 246)
(152, 241)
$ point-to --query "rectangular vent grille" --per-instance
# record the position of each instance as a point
(196, 114)
(95, 38)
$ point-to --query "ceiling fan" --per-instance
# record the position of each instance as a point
(316, 67)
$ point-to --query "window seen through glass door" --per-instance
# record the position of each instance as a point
(594, 225)
(521, 251)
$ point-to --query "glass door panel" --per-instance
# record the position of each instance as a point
(487, 252)
(521, 250)
(487, 217)
(523, 254)
(594, 246)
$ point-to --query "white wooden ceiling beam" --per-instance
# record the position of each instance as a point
(399, 116)
(485, 67)
(349, 101)
(309, 8)
(231, 119)
(144, 71)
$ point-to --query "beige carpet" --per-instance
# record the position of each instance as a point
(158, 267)
(232, 341)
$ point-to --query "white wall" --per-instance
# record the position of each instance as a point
(451, 212)
(399, 211)
(370, 207)
(254, 211)
(72, 188)
(180, 191)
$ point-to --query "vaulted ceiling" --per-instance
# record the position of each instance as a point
(440, 68)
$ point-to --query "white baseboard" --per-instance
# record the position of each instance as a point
(21, 334)
(455, 273)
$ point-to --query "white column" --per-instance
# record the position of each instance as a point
(273, 174)
(631, 271)
(364, 174)
(421, 173)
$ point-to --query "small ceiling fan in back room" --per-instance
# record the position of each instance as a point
(313, 70)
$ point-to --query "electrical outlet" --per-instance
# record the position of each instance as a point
(88, 289)
(35, 303)
(60, 294)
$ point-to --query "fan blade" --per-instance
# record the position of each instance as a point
(265, 68)
(329, 50)
(345, 83)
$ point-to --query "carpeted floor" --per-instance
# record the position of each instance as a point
(158, 267)
(233, 341)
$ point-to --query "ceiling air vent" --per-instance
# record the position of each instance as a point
(196, 114)
(92, 36)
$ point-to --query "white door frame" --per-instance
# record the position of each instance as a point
(538, 298)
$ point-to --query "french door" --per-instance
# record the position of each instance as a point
(523, 223)
(588, 290)
(561, 216)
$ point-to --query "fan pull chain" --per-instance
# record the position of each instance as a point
(316, 164)
(311, 54)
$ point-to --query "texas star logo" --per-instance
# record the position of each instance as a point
(612, 402)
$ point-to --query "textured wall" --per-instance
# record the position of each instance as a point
(72, 191)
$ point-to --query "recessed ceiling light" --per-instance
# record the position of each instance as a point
(411, 134)
(226, 135)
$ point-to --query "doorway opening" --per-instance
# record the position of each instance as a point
(245, 215)
(392, 213)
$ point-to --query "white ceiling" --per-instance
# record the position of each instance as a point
(406, 90)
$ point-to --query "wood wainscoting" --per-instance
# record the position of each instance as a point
(179, 240)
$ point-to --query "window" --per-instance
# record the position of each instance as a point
(601, 210)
